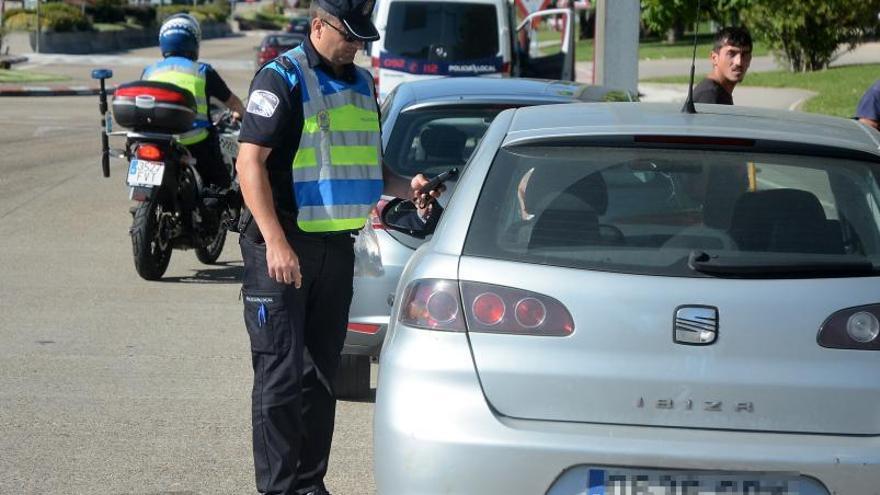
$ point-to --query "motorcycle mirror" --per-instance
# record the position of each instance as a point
(402, 215)
(102, 74)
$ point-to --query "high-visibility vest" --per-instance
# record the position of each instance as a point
(189, 75)
(337, 172)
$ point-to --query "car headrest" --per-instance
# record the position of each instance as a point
(443, 142)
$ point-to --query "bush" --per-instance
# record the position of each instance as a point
(107, 11)
(142, 15)
(208, 12)
(22, 20)
(61, 17)
(807, 33)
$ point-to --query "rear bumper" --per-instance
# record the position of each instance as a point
(435, 433)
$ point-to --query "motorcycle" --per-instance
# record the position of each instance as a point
(174, 208)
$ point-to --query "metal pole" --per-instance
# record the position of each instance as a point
(37, 45)
(2, 13)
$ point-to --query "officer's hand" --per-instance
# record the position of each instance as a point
(283, 263)
(422, 201)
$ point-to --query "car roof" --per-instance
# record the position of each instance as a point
(726, 121)
(456, 89)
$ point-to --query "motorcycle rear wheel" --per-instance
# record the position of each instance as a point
(152, 253)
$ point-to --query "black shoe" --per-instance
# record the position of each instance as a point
(319, 491)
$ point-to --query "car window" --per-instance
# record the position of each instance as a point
(442, 31)
(646, 211)
(433, 140)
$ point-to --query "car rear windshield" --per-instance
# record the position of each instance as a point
(434, 140)
(442, 31)
(679, 212)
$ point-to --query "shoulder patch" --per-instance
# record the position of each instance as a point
(262, 103)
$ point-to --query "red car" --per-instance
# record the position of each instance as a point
(275, 44)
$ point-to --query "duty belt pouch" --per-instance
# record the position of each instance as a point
(244, 222)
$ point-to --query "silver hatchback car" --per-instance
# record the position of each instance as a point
(624, 299)
(429, 127)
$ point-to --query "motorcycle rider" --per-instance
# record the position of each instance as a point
(179, 39)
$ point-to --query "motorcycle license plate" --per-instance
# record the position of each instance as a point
(661, 482)
(145, 173)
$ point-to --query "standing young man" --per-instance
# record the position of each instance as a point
(731, 57)
(310, 170)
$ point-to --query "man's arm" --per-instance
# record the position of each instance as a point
(870, 122)
(282, 262)
(234, 104)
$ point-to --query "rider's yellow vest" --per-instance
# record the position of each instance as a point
(189, 75)
(337, 171)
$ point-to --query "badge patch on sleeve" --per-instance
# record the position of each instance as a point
(262, 103)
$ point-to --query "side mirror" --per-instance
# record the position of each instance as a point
(403, 216)
(102, 74)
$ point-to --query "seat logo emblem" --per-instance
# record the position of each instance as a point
(695, 325)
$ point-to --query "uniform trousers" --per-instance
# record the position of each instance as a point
(296, 338)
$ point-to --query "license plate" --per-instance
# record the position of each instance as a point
(145, 173)
(658, 482)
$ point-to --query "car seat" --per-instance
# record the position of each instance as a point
(443, 145)
(571, 218)
(784, 220)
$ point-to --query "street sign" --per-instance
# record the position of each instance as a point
(526, 7)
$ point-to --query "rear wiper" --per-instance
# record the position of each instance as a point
(780, 264)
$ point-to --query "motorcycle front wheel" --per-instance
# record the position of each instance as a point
(152, 251)
(209, 253)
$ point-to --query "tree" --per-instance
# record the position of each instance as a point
(672, 16)
(807, 33)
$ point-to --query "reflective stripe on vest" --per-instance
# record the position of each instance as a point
(184, 73)
(337, 173)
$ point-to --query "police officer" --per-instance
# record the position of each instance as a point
(310, 171)
(179, 39)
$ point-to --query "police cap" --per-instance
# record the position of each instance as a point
(355, 16)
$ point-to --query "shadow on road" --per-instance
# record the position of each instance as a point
(221, 273)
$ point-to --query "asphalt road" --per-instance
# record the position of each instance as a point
(110, 384)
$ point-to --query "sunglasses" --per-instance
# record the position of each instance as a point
(345, 34)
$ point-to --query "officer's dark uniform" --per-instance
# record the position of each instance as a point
(296, 334)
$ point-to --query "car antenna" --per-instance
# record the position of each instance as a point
(689, 102)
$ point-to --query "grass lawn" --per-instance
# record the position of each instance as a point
(26, 76)
(654, 49)
(838, 88)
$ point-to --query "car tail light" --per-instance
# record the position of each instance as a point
(855, 328)
(505, 68)
(149, 152)
(477, 307)
(433, 304)
(367, 328)
(376, 215)
(267, 54)
(489, 308)
(375, 64)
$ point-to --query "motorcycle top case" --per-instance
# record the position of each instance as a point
(152, 106)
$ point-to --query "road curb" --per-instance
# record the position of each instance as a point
(51, 90)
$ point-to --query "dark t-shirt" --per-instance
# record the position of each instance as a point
(869, 104)
(274, 119)
(709, 91)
